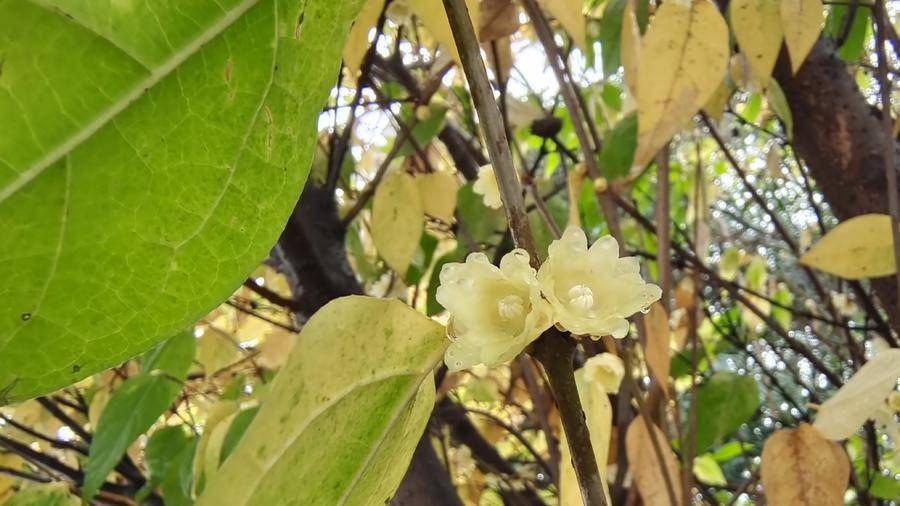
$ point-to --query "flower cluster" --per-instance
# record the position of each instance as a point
(496, 312)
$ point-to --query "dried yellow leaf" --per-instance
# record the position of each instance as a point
(397, 220)
(861, 247)
(801, 21)
(358, 39)
(570, 14)
(684, 56)
(757, 27)
(656, 351)
(438, 192)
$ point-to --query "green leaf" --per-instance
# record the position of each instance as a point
(344, 414)
(423, 131)
(46, 494)
(724, 402)
(617, 153)
(422, 259)
(169, 454)
(885, 487)
(611, 36)
(173, 356)
(851, 49)
(707, 470)
(131, 410)
(431, 304)
(480, 222)
(236, 431)
(150, 153)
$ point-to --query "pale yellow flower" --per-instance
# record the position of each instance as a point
(494, 312)
(592, 290)
(486, 186)
(605, 369)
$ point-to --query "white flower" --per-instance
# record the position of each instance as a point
(486, 186)
(592, 290)
(494, 312)
(605, 369)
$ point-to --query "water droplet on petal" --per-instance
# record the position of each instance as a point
(645, 309)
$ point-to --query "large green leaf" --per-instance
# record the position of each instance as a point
(135, 406)
(724, 402)
(343, 417)
(150, 152)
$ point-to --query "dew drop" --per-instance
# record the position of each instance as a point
(458, 363)
(26, 317)
(645, 309)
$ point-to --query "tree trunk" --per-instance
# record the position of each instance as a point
(839, 136)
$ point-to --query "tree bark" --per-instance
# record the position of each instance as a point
(839, 136)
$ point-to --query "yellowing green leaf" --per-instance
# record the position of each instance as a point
(438, 193)
(715, 105)
(757, 27)
(801, 468)
(397, 216)
(44, 494)
(646, 467)
(856, 401)
(630, 42)
(151, 154)
(779, 105)
(358, 39)
(685, 50)
(570, 15)
(707, 470)
(345, 413)
(215, 350)
(858, 248)
(801, 21)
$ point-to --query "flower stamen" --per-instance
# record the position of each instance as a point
(511, 306)
(581, 297)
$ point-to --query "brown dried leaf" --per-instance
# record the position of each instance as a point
(646, 468)
(801, 467)
(499, 18)
(656, 349)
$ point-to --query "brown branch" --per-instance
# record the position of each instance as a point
(554, 350)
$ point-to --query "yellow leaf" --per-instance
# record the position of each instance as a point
(432, 14)
(397, 220)
(858, 248)
(216, 350)
(757, 27)
(858, 400)
(574, 179)
(358, 39)
(630, 47)
(7, 482)
(800, 467)
(801, 21)
(656, 351)
(707, 470)
(648, 473)
(598, 417)
(570, 14)
(274, 351)
(685, 54)
(715, 105)
(438, 192)
(98, 403)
